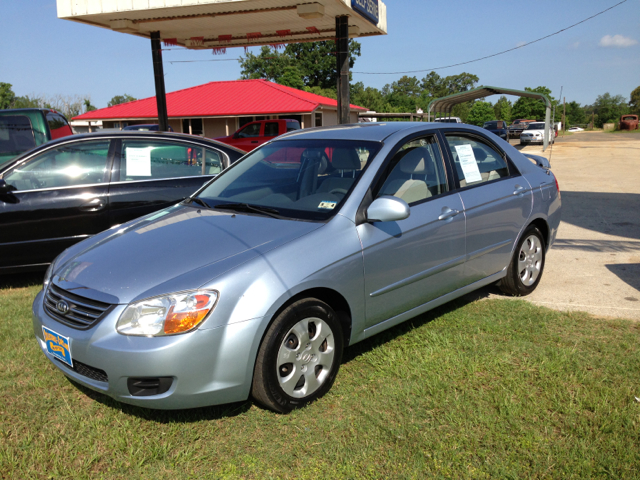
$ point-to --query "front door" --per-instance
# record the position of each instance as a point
(415, 260)
(60, 198)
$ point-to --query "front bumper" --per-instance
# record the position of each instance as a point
(207, 367)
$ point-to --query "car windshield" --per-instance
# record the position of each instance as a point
(535, 126)
(302, 179)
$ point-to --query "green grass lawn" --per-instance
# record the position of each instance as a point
(484, 389)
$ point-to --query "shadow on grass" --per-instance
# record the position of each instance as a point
(233, 409)
(21, 280)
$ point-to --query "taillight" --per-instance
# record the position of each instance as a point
(557, 186)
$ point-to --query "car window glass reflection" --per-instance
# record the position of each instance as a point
(67, 165)
(418, 173)
(307, 179)
(144, 160)
(476, 162)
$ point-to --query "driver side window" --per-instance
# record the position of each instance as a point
(66, 166)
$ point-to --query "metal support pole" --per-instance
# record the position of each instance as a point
(342, 57)
(158, 72)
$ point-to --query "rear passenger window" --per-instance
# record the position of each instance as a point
(475, 161)
(58, 125)
(417, 173)
(143, 160)
(271, 129)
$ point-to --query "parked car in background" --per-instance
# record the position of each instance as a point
(256, 133)
(517, 126)
(75, 187)
(575, 129)
(146, 127)
(534, 133)
(629, 122)
(447, 120)
(22, 129)
(497, 127)
(315, 241)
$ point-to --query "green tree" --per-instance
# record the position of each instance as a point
(368, 97)
(315, 61)
(502, 109)
(291, 77)
(480, 112)
(634, 103)
(532, 108)
(118, 99)
(609, 108)
(28, 102)
(87, 105)
(7, 96)
(575, 114)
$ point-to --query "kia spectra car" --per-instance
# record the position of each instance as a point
(254, 285)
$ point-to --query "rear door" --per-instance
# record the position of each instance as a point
(497, 202)
(60, 198)
(150, 174)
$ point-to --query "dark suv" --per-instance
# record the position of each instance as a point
(22, 129)
(497, 127)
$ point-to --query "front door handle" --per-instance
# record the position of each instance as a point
(254, 141)
(448, 213)
(93, 205)
(519, 190)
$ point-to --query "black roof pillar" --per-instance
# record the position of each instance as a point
(158, 72)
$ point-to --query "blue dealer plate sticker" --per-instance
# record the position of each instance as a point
(57, 345)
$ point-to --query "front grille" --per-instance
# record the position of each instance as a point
(87, 371)
(82, 313)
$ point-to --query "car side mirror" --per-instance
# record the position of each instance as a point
(388, 209)
(4, 188)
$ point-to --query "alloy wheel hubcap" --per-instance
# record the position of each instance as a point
(530, 260)
(305, 357)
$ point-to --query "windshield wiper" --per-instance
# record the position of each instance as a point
(245, 207)
(197, 200)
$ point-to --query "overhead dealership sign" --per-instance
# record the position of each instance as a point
(369, 9)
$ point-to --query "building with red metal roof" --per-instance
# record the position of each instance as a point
(217, 109)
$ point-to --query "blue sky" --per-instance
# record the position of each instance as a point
(44, 55)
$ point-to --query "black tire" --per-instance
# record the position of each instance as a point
(269, 377)
(520, 281)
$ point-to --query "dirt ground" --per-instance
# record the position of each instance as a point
(594, 266)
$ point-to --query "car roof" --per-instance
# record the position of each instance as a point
(370, 131)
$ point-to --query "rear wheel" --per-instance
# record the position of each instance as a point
(527, 264)
(299, 357)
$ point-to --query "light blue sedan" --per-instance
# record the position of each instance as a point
(315, 241)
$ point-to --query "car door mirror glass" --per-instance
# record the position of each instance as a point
(388, 209)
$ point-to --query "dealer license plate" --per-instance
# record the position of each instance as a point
(58, 346)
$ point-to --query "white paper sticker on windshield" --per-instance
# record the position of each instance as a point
(138, 162)
(327, 205)
(468, 163)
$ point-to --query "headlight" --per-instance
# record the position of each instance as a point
(47, 276)
(168, 314)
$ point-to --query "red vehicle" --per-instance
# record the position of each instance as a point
(254, 134)
(629, 122)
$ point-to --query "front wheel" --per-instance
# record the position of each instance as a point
(299, 356)
(527, 264)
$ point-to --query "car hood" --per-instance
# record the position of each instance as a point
(176, 249)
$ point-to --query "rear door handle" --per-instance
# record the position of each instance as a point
(93, 205)
(519, 190)
(448, 213)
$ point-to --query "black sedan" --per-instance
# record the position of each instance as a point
(70, 189)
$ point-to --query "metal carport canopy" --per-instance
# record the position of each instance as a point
(444, 104)
(220, 24)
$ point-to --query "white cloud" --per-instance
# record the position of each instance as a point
(617, 41)
(574, 45)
